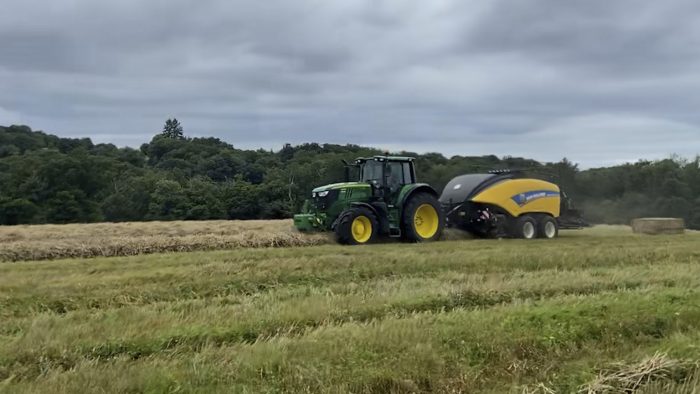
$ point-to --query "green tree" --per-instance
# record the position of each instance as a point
(173, 129)
(168, 201)
(130, 199)
(17, 211)
(242, 199)
(694, 221)
(204, 200)
(64, 207)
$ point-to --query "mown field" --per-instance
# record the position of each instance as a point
(599, 309)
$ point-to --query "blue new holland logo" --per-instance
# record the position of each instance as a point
(527, 197)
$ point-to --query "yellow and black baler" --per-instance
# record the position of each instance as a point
(506, 204)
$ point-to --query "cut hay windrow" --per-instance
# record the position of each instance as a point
(659, 370)
(37, 243)
(52, 242)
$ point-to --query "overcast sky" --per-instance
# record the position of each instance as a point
(600, 82)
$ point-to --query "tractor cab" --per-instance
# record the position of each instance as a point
(387, 175)
(385, 201)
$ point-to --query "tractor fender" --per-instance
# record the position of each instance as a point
(364, 205)
(411, 190)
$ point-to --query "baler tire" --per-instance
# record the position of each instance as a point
(347, 219)
(409, 230)
(525, 227)
(547, 227)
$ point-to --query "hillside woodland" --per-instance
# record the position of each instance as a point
(48, 179)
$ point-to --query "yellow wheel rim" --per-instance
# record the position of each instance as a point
(426, 221)
(361, 229)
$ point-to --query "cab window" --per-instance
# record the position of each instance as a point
(407, 174)
(371, 171)
(396, 176)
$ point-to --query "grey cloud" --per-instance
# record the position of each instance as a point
(39, 51)
(621, 36)
(496, 77)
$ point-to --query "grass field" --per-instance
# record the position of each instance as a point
(599, 309)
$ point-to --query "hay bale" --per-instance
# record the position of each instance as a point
(658, 226)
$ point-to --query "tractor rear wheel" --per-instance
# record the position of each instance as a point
(356, 226)
(525, 227)
(422, 219)
(547, 227)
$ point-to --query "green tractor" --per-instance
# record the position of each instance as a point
(386, 202)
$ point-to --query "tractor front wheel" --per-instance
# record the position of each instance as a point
(422, 219)
(356, 226)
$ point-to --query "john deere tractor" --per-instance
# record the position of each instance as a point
(386, 202)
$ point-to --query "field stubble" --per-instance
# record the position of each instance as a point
(599, 310)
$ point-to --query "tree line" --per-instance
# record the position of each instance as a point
(48, 179)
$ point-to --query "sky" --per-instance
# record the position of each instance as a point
(598, 82)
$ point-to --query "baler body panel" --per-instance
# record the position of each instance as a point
(460, 188)
(520, 196)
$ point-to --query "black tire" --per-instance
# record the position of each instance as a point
(525, 227)
(411, 230)
(344, 229)
(547, 227)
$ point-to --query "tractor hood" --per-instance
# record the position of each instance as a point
(342, 185)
